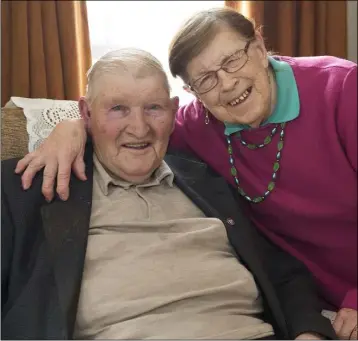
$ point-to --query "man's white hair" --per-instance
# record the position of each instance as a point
(141, 63)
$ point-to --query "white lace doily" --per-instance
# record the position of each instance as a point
(42, 115)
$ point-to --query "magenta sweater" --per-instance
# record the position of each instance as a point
(312, 212)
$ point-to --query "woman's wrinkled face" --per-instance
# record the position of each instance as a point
(243, 96)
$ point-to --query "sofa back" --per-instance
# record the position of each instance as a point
(14, 137)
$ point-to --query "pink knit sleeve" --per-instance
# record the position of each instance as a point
(347, 130)
(347, 116)
(350, 300)
(178, 137)
(185, 122)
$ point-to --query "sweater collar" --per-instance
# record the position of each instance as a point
(288, 105)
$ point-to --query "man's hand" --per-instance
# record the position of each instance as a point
(61, 150)
(309, 336)
(345, 324)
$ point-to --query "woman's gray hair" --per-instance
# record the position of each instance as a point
(139, 62)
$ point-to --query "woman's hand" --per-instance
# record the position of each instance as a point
(62, 149)
(345, 324)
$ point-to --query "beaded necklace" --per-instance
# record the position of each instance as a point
(267, 140)
(276, 164)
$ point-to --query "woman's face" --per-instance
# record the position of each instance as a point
(242, 97)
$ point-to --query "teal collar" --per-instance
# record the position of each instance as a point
(288, 104)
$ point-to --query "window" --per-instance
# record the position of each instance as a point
(149, 25)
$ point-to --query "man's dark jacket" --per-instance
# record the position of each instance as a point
(43, 247)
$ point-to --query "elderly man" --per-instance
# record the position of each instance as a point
(152, 245)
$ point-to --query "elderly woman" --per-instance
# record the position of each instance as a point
(282, 130)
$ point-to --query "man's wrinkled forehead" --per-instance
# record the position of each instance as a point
(121, 81)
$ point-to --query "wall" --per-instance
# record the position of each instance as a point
(352, 30)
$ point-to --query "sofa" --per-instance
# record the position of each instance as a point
(26, 122)
(14, 137)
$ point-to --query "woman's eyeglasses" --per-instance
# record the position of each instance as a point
(234, 63)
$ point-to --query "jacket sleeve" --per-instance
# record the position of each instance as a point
(7, 232)
(296, 291)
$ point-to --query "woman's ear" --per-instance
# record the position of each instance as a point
(261, 49)
(258, 37)
(187, 89)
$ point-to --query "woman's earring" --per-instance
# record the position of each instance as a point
(207, 119)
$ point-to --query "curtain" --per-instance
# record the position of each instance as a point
(45, 49)
(299, 28)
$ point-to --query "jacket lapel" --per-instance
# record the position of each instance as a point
(208, 191)
(212, 194)
(66, 229)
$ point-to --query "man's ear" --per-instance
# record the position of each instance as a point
(175, 107)
(85, 112)
(175, 104)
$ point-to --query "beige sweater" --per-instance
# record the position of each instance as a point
(157, 268)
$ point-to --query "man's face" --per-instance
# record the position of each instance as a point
(130, 121)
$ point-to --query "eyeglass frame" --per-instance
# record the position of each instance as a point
(222, 67)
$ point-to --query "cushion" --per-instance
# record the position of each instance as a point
(10, 104)
(14, 139)
(42, 115)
